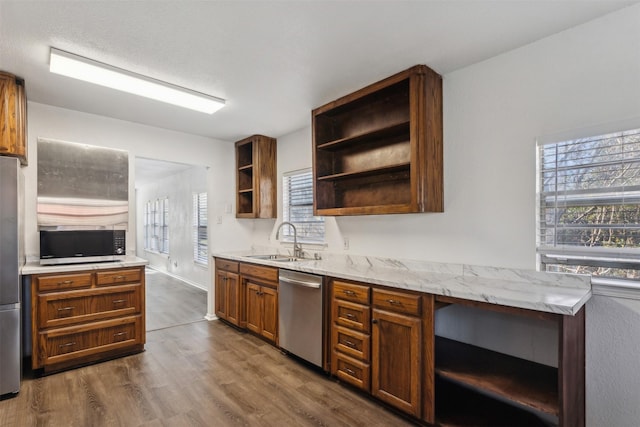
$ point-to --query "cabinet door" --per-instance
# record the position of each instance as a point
(221, 294)
(233, 298)
(12, 117)
(269, 313)
(254, 308)
(396, 360)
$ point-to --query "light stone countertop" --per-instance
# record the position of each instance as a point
(34, 267)
(541, 291)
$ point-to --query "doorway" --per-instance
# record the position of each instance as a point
(169, 236)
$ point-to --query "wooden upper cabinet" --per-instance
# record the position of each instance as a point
(379, 150)
(13, 117)
(256, 186)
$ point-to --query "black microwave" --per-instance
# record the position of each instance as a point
(81, 246)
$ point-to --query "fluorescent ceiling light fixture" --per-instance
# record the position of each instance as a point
(77, 67)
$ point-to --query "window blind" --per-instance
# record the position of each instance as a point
(298, 207)
(200, 237)
(156, 225)
(589, 205)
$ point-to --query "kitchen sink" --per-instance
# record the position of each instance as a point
(275, 257)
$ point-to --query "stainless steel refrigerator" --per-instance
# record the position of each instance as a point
(10, 287)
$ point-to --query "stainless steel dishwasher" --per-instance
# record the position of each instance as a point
(300, 313)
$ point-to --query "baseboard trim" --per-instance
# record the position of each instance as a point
(210, 317)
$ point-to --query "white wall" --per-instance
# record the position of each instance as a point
(142, 141)
(179, 189)
(493, 113)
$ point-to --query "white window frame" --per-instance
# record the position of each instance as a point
(606, 263)
(200, 233)
(310, 229)
(156, 226)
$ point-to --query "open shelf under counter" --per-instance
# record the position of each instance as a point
(515, 380)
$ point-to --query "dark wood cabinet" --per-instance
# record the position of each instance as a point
(256, 185)
(381, 341)
(82, 317)
(397, 351)
(262, 310)
(379, 150)
(229, 301)
(13, 117)
(261, 289)
(350, 333)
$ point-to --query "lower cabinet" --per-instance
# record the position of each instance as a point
(396, 360)
(246, 295)
(262, 310)
(82, 317)
(379, 340)
(229, 300)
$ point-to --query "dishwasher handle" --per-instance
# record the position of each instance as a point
(300, 282)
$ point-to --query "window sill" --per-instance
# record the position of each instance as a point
(615, 288)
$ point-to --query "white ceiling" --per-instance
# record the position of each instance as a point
(274, 61)
(149, 171)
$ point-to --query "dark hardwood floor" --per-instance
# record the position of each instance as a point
(195, 374)
(171, 302)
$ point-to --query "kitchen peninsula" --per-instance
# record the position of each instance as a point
(383, 312)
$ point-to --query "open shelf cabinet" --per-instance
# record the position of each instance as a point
(379, 150)
(256, 186)
(529, 393)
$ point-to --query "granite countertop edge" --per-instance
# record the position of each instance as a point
(34, 267)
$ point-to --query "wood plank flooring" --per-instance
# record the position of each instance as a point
(171, 302)
(196, 374)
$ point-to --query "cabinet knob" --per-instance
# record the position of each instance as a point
(374, 321)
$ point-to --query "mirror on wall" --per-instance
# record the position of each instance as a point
(82, 186)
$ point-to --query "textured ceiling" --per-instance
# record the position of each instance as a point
(272, 61)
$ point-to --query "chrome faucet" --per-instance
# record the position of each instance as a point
(297, 248)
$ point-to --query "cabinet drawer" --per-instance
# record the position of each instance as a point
(397, 302)
(66, 308)
(64, 344)
(352, 371)
(351, 292)
(355, 344)
(259, 272)
(118, 276)
(63, 281)
(225, 264)
(354, 316)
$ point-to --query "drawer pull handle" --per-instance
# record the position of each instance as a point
(65, 282)
(394, 301)
(350, 371)
(119, 277)
(119, 301)
(348, 292)
(350, 316)
(66, 308)
(69, 344)
(119, 334)
(349, 343)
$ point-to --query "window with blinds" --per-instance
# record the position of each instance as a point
(297, 204)
(200, 238)
(589, 205)
(156, 226)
